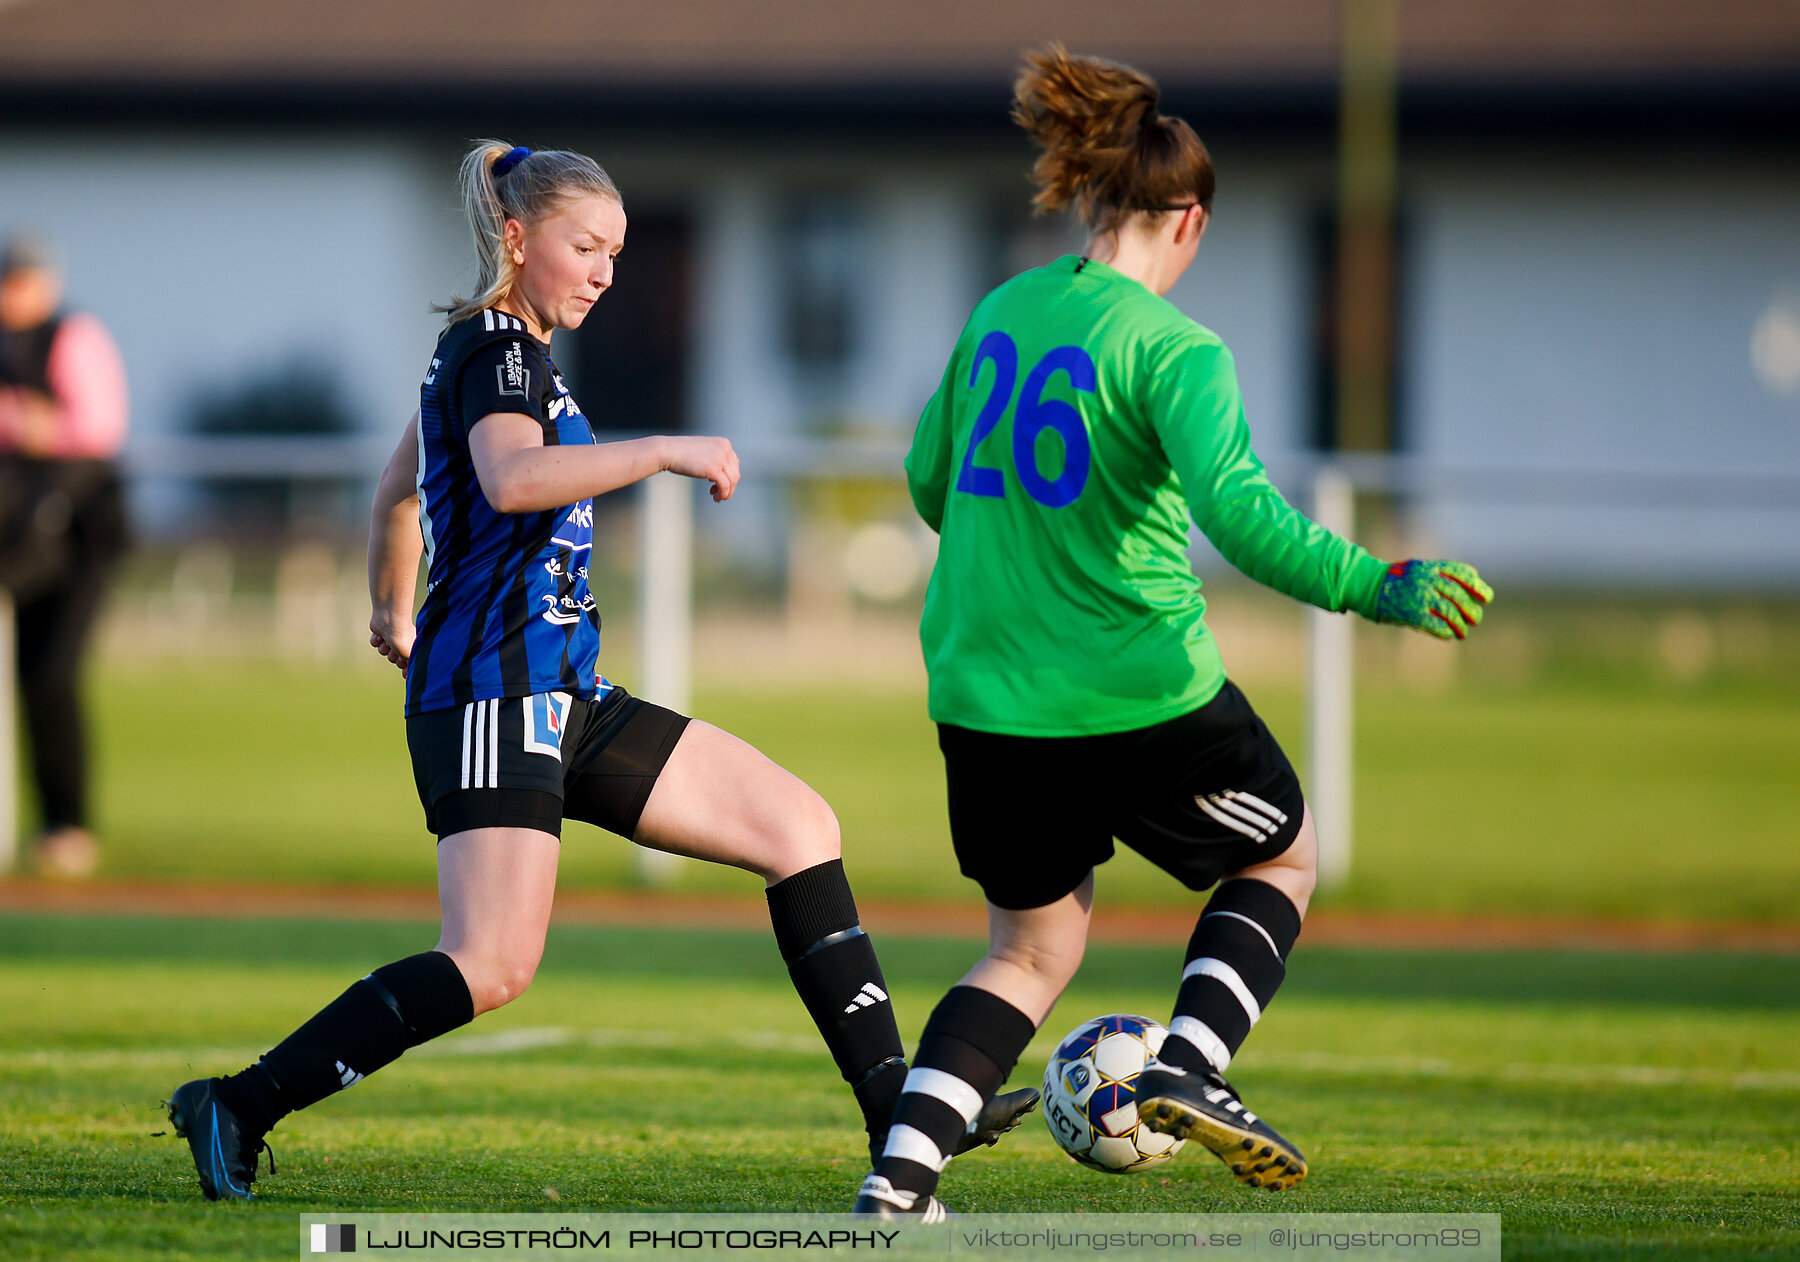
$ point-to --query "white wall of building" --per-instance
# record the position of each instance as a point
(1570, 316)
(924, 278)
(1250, 284)
(217, 260)
(1604, 318)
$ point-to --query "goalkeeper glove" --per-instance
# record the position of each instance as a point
(1441, 598)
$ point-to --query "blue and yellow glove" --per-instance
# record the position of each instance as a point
(1441, 598)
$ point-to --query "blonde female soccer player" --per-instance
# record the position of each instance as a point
(512, 727)
(1082, 421)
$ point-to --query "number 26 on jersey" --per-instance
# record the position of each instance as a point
(1033, 415)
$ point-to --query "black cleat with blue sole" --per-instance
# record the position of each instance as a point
(224, 1153)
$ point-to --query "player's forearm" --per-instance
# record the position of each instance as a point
(395, 547)
(536, 479)
(395, 544)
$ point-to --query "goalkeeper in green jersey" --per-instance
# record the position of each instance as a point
(1082, 422)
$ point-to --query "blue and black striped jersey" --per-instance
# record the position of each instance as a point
(507, 609)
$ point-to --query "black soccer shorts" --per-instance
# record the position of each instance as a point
(1200, 796)
(531, 762)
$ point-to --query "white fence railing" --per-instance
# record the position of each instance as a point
(667, 566)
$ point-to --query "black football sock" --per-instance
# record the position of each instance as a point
(833, 967)
(969, 1046)
(1236, 961)
(399, 1005)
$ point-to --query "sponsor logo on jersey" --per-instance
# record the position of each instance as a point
(558, 567)
(567, 610)
(565, 401)
(513, 375)
(432, 372)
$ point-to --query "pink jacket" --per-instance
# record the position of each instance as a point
(87, 380)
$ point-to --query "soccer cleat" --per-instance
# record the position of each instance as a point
(1205, 1107)
(999, 1115)
(224, 1153)
(878, 1198)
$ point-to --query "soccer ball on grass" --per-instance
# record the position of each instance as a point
(1090, 1094)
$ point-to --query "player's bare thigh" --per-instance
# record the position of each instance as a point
(496, 886)
(1295, 870)
(719, 798)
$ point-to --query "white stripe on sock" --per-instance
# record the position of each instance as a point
(1201, 1036)
(939, 1085)
(913, 1144)
(1230, 821)
(1206, 966)
(1238, 916)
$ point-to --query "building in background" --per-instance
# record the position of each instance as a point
(1599, 260)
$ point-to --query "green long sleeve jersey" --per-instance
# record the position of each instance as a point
(1082, 419)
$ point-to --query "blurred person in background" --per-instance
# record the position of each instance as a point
(63, 415)
(1078, 694)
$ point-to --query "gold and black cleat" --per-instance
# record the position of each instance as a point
(1204, 1107)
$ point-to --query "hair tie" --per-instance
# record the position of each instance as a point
(510, 159)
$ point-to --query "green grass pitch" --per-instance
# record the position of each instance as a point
(1582, 796)
(1608, 1106)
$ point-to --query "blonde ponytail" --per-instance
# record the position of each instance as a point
(532, 185)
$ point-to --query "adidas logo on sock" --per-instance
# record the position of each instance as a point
(350, 1076)
(867, 997)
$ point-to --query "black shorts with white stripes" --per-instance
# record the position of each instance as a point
(1200, 796)
(531, 762)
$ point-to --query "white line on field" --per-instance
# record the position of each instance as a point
(509, 1042)
(122, 1058)
(1623, 1075)
(498, 1044)
(561, 1035)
